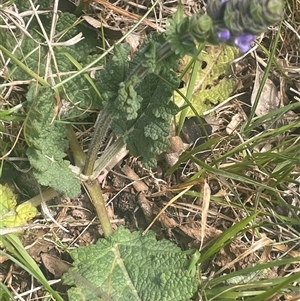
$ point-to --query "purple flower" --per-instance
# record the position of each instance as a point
(223, 34)
(238, 22)
(244, 41)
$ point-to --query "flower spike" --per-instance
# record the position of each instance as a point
(244, 19)
(234, 22)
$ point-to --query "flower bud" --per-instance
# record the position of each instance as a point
(215, 9)
(200, 26)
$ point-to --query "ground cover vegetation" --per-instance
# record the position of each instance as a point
(149, 152)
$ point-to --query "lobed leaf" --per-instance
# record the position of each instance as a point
(141, 106)
(47, 142)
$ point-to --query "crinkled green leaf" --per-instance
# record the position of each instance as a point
(156, 44)
(148, 136)
(127, 102)
(110, 83)
(141, 106)
(130, 266)
(53, 172)
(47, 142)
(215, 83)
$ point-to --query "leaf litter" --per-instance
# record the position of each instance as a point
(184, 223)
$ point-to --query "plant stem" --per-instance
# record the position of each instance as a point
(96, 198)
(101, 128)
(107, 156)
(78, 154)
(102, 125)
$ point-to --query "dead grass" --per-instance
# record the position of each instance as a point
(199, 201)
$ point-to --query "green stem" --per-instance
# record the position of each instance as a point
(96, 198)
(102, 125)
(101, 128)
(78, 154)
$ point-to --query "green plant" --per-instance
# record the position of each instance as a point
(135, 98)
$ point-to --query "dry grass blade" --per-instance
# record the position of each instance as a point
(205, 207)
(246, 172)
(129, 15)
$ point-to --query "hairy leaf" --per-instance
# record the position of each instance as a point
(47, 142)
(112, 86)
(130, 266)
(141, 106)
(148, 136)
